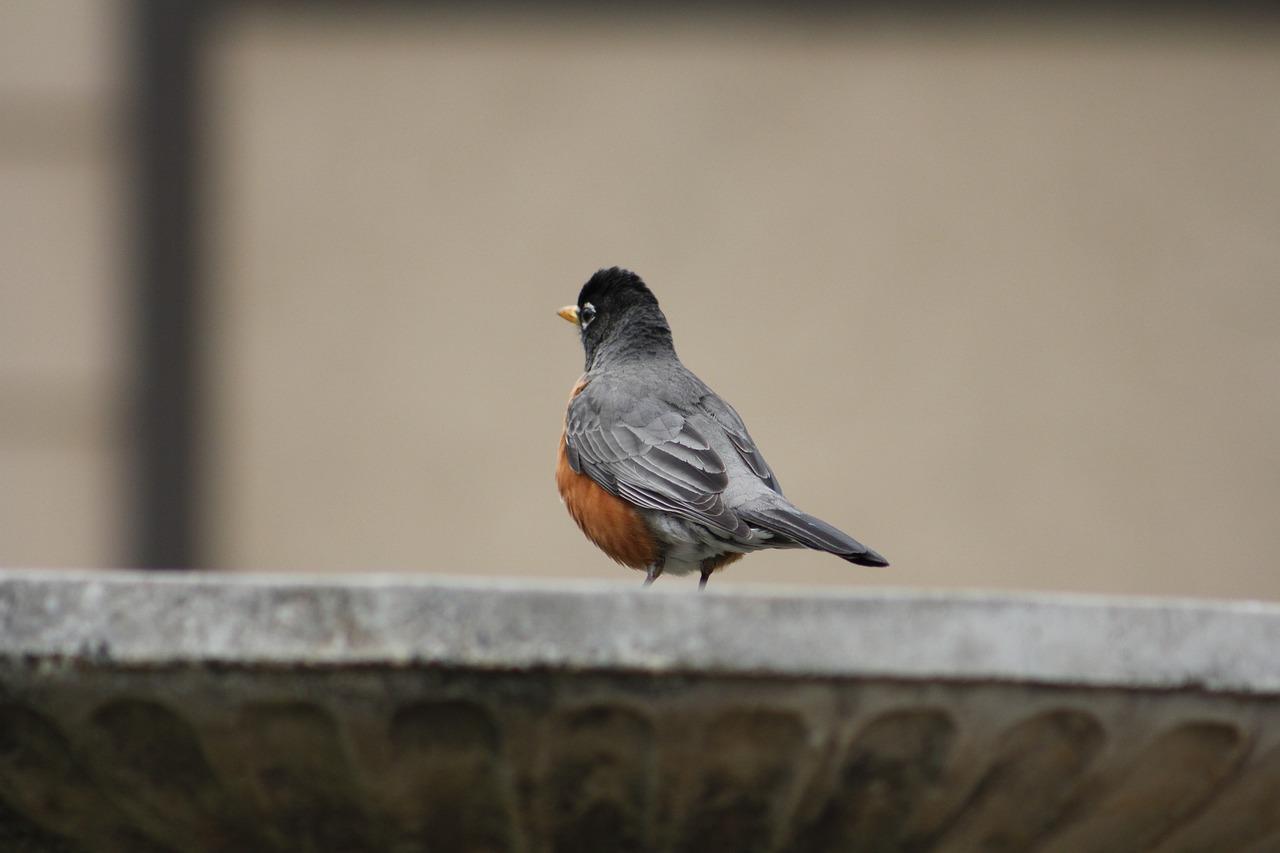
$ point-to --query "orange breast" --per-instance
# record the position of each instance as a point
(607, 520)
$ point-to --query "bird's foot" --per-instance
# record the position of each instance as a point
(652, 574)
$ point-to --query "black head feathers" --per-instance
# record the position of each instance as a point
(615, 287)
(620, 318)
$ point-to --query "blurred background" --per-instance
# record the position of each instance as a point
(998, 296)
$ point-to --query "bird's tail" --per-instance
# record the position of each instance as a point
(792, 524)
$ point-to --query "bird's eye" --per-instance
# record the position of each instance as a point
(587, 314)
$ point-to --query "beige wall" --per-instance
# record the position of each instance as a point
(1002, 301)
(61, 363)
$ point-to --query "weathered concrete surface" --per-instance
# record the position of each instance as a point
(234, 713)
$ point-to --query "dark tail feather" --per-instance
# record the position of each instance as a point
(804, 529)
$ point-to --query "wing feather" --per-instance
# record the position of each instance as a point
(733, 426)
(655, 459)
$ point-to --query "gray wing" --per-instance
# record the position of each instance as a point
(724, 414)
(650, 455)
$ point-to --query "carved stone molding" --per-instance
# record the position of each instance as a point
(222, 713)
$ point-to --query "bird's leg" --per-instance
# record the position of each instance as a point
(708, 566)
(652, 575)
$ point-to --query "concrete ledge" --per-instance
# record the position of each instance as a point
(206, 712)
(151, 619)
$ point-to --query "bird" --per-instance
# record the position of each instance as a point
(658, 470)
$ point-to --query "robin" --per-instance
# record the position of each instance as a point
(656, 469)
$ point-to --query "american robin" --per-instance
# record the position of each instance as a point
(659, 471)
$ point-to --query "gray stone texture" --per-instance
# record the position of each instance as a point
(209, 712)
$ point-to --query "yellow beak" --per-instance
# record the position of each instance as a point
(570, 313)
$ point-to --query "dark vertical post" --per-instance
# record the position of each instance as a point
(166, 274)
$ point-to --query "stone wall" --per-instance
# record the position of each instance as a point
(217, 714)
